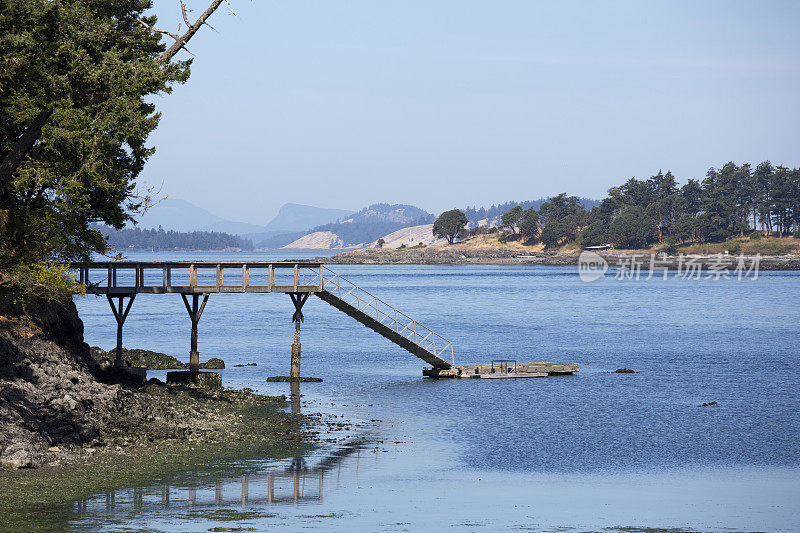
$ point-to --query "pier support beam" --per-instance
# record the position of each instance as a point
(298, 299)
(120, 315)
(195, 312)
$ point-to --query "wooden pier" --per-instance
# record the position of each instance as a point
(196, 281)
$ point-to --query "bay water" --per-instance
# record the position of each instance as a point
(598, 451)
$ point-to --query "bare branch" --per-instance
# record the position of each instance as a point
(183, 12)
(230, 9)
(165, 32)
(180, 42)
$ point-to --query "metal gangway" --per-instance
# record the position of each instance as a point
(121, 279)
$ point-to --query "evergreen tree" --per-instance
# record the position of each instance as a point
(76, 108)
(510, 218)
(450, 225)
(529, 225)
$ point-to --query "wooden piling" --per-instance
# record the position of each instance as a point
(270, 488)
(295, 369)
(195, 311)
(120, 314)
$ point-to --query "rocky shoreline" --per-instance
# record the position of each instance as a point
(69, 427)
(58, 404)
(514, 256)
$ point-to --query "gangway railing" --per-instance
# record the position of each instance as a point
(386, 314)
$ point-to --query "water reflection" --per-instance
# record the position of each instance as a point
(293, 483)
(302, 479)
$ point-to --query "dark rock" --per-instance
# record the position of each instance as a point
(213, 363)
(206, 380)
(294, 380)
(247, 364)
(624, 371)
(706, 404)
(20, 454)
(54, 394)
(135, 357)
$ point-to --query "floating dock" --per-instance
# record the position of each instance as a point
(505, 369)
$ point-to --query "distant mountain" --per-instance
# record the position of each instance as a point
(178, 215)
(374, 222)
(291, 222)
(397, 213)
(296, 217)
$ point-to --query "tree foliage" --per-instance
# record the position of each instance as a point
(529, 225)
(158, 239)
(633, 228)
(730, 201)
(510, 219)
(450, 225)
(77, 80)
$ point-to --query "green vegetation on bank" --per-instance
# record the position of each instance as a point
(450, 225)
(732, 201)
(77, 92)
(475, 214)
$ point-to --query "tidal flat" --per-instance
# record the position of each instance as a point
(228, 427)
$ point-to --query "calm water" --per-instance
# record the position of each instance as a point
(594, 451)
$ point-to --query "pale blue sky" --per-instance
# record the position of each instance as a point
(449, 103)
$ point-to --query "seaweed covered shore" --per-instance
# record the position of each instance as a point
(69, 428)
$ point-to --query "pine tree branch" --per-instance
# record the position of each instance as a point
(24, 144)
(28, 139)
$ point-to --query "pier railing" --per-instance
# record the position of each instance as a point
(129, 277)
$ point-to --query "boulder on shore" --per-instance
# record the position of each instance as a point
(150, 360)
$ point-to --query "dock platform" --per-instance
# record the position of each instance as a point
(503, 371)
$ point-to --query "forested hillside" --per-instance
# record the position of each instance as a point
(474, 214)
(730, 201)
(161, 240)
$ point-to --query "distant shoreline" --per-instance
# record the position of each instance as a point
(513, 257)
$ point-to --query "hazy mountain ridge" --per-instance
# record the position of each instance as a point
(291, 221)
(376, 221)
(297, 217)
(299, 226)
